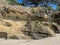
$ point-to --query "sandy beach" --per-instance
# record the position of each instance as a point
(45, 41)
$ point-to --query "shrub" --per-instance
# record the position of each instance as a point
(13, 2)
(59, 8)
(32, 10)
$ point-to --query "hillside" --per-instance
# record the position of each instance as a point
(20, 22)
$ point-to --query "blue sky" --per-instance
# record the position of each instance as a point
(54, 6)
(20, 1)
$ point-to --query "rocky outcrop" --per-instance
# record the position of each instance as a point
(4, 2)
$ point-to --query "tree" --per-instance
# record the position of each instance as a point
(45, 2)
(36, 2)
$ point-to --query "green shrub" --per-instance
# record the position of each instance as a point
(58, 8)
(32, 10)
(13, 2)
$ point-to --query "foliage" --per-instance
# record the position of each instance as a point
(36, 2)
(50, 8)
(37, 12)
(13, 2)
(32, 9)
(45, 2)
(58, 8)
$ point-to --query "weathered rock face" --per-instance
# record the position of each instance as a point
(18, 11)
(3, 2)
(15, 29)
